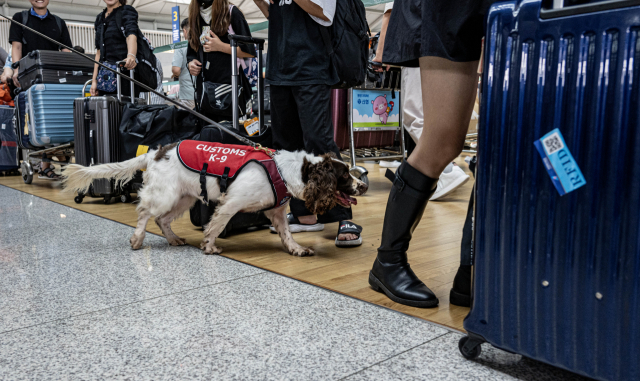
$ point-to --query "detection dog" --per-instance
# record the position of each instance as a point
(171, 188)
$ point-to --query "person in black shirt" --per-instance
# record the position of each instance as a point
(112, 45)
(40, 19)
(300, 76)
(24, 42)
(208, 54)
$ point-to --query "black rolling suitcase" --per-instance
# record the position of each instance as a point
(96, 122)
(200, 214)
(48, 66)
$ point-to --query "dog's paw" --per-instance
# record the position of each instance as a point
(177, 241)
(302, 251)
(208, 250)
(136, 242)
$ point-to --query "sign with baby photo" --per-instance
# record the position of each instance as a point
(375, 109)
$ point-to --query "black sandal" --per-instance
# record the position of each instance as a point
(48, 174)
(349, 228)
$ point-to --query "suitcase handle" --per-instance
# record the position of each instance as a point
(580, 9)
(119, 66)
(234, 40)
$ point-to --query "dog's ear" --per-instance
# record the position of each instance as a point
(320, 185)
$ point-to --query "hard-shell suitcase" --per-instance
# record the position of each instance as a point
(49, 113)
(8, 141)
(200, 214)
(48, 66)
(97, 141)
(341, 133)
(557, 278)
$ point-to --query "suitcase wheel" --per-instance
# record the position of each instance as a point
(364, 179)
(469, 347)
(107, 200)
(126, 198)
(224, 233)
(78, 199)
(27, 178)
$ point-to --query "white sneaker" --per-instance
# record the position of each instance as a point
(448, 182)
(389, 164)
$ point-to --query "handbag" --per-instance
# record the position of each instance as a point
(107, 80)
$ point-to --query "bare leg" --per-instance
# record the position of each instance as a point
(448, 93)
(164, 221)
(138, 235)
(279, 221)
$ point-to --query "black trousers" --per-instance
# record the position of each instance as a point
(301, 120)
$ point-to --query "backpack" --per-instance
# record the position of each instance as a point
(25, 18)
(347, 43)
(146, 69)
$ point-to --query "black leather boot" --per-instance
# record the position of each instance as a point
(391, 272)
(460, 294)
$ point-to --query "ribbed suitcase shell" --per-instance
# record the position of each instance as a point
(106, 137)
(50, 108)
(340, 117)
(557, 279)
(8, 140)
(46, 66)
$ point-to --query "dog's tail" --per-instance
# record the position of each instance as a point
(77, 178)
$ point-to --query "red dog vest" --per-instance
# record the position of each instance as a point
(225, 161)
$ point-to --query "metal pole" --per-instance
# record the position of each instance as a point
(402, 142)
(234, 83)
(352, 144)
(260, 91)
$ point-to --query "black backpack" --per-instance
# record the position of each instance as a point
(347, 42)
(146, 70)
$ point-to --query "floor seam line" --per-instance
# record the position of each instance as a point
(396, 355)
(130, 303)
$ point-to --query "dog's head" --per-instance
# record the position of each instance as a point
(328, 183)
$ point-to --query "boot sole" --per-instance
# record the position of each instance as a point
(458, 299)
(378, 286)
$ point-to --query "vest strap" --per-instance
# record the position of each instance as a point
(224, 180)
(203, 183)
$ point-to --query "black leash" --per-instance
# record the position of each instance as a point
(142, 85)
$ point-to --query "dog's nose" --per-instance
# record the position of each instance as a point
(362, 187)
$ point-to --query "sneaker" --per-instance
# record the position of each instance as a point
(296, 227)
(389, 164)
(449, 181)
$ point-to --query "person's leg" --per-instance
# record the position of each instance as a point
(448, 90)
(314, 111)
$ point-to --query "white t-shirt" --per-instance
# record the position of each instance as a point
(186, 86)
(388, 7)
(328, 9)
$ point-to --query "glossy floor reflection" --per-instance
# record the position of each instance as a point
(77, 303)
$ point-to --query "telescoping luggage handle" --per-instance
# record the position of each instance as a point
(591, 7)
(244, 40)
(241, 138)
(120, 65)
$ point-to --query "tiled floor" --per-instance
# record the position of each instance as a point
(77, 303)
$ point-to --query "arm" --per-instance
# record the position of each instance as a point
(263, 6)
(175, 71)
(16, 55)
(132, 51)
(94, 81)
(66, 37)
(214, 44)
(312, 8)
(383, 34)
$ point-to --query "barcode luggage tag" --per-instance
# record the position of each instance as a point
(252, 126)
(562, 168)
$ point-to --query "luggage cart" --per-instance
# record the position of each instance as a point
(32, 156)
(382, 97)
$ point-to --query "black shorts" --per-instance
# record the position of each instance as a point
(435, 28)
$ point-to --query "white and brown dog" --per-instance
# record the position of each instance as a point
(170, 189)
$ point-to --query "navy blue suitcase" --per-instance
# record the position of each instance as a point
(8, 141)
(557, 278)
